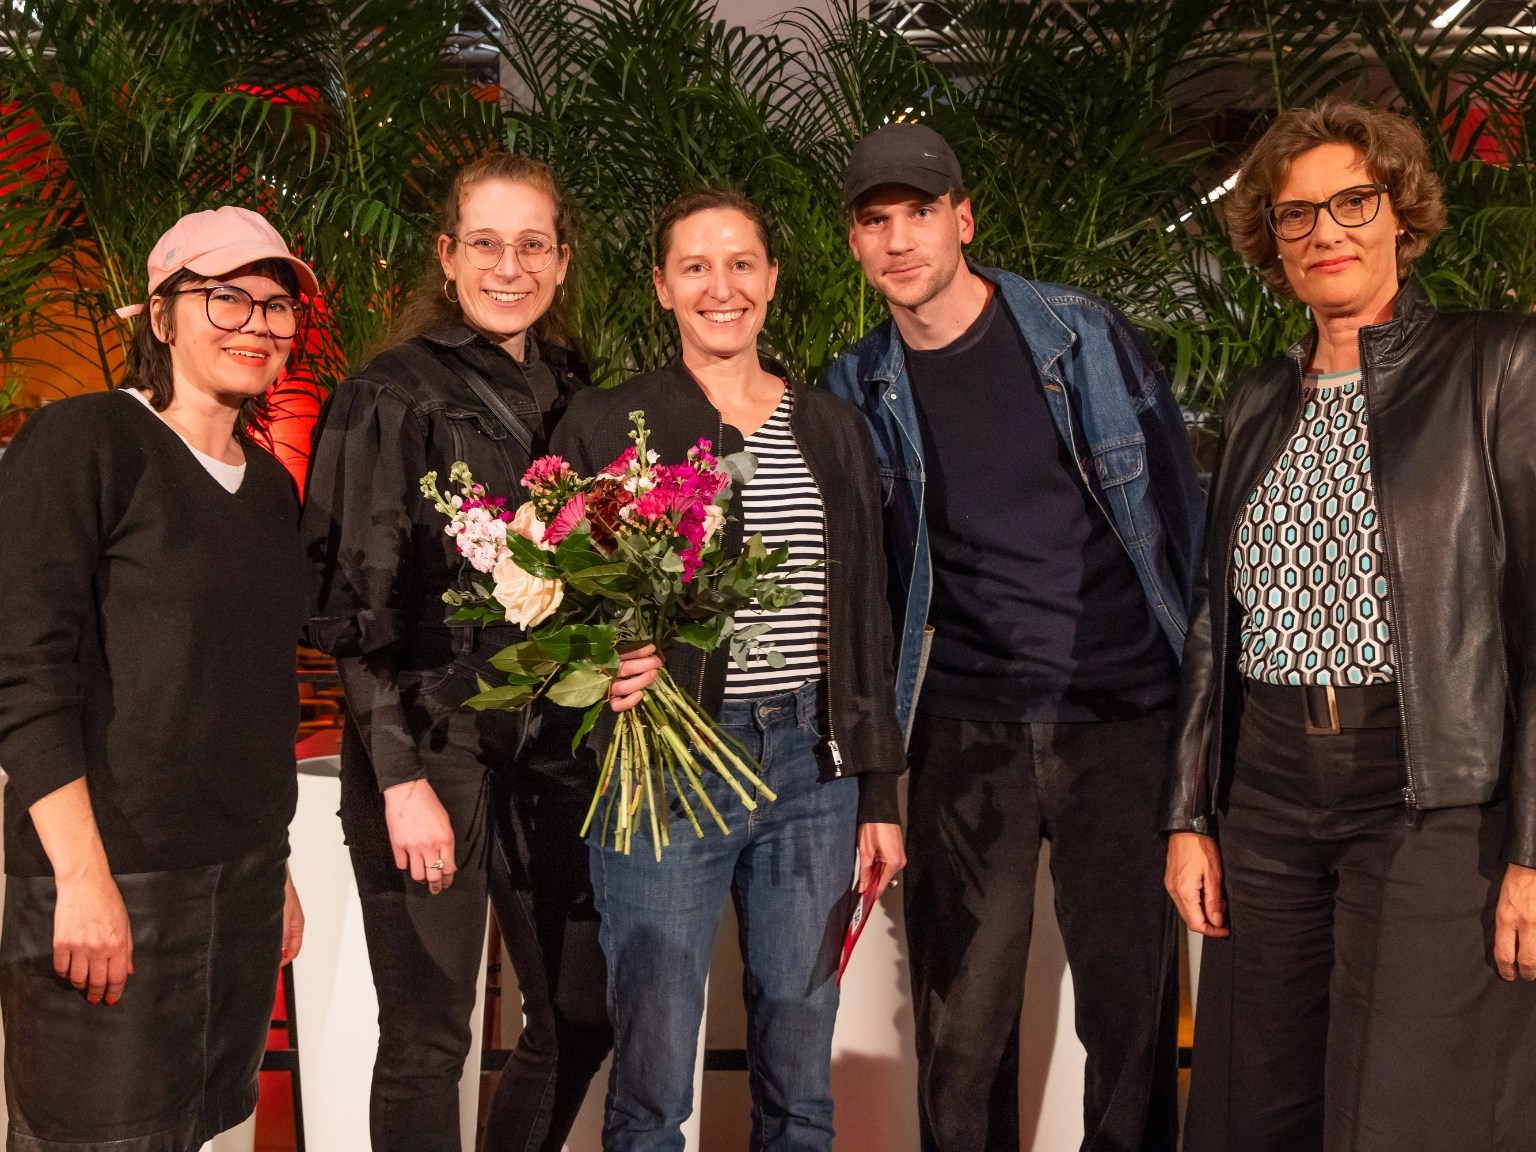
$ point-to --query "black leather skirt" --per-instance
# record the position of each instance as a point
(174, 1061)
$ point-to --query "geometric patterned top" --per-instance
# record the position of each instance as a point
(1308, 561)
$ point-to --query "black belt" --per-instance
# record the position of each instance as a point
(1326, 710)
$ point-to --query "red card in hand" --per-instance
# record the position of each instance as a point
(860, 916)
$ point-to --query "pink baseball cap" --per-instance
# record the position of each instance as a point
(212, 243)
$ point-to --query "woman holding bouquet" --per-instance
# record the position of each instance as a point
(151, 594)
(442, 805)
(813, 702)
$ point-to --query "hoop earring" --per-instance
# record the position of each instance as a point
(561, 298)
(450, 292)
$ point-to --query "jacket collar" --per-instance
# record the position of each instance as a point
(1047, 335)
(1385, 343)
(457, 334)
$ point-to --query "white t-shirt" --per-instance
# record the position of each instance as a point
(228, 475)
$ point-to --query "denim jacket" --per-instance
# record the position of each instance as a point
(1113, 408)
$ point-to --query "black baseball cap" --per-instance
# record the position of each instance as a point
(910, 154)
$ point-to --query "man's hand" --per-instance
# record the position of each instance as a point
(1193, 879)
(92, 940)
(1514, 933)
(293, 920)
(880, 842)
(420, 833)
(637, 670)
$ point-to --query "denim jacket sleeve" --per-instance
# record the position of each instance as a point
(1170, 460)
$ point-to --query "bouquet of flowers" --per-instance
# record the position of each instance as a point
(594, 566)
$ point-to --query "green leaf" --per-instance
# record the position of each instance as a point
(580, 687)
(775, 658)
(740, 467)
(705, 634)
(527, 659)
(531, 558)
(588, 722)
(512, 698)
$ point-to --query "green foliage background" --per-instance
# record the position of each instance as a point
(1091, 138)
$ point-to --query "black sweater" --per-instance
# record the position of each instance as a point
(148, 619)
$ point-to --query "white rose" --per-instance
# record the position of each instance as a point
(526, 523)
(714, 517)
(529, 600)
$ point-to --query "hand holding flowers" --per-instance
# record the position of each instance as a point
(633, 556)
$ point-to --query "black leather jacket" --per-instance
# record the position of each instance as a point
(1452, 402)
(382, 558)
(835, 441)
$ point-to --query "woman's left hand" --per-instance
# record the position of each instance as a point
(880, 842)
(1514, 934)
(293, 920)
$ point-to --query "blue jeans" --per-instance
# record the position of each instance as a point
(789, 867)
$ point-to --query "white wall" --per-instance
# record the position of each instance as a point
(759, 15)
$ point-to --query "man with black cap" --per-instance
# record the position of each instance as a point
(1043, 519)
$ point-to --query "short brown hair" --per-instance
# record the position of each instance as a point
(1394, 155)
(149, 357)
(708, 199)
(429, 308)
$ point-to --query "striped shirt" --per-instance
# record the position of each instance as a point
(783, 503)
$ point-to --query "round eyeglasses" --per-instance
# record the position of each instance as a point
(1351, 208)
(484, 249)
(231, 309)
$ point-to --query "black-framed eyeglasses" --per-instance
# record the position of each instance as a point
(533, 253)
(231, 309)
(1351, 208)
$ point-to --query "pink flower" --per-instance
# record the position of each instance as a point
(566, 519)
(626, 460)
(547, 470)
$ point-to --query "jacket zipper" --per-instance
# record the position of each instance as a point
(826, 543)
(1410, 793)
(719, 447)
(1226, 588)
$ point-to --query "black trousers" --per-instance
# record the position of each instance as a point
(171, 1064)
(517, 800)
(982, 796)
(1355, 1007)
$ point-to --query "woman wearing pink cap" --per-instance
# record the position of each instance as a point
(151, 592)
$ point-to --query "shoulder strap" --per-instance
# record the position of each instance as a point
(483, 389)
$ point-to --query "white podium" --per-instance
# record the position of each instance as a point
(338, 1013)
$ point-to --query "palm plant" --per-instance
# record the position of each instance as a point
(336, 120)
(1097, 137)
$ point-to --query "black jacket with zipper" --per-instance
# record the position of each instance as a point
(834, 439)
(1452, 434)
(377, 544)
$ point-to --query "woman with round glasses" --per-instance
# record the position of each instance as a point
(443, 805)
(151, 594)
(1352, 802)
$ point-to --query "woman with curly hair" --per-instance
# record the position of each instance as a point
(1352, 801)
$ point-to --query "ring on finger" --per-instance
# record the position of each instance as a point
(438, 864)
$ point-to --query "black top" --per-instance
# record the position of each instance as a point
(835, 441)
(148, 619)
(378, 545)
(1037, 611)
